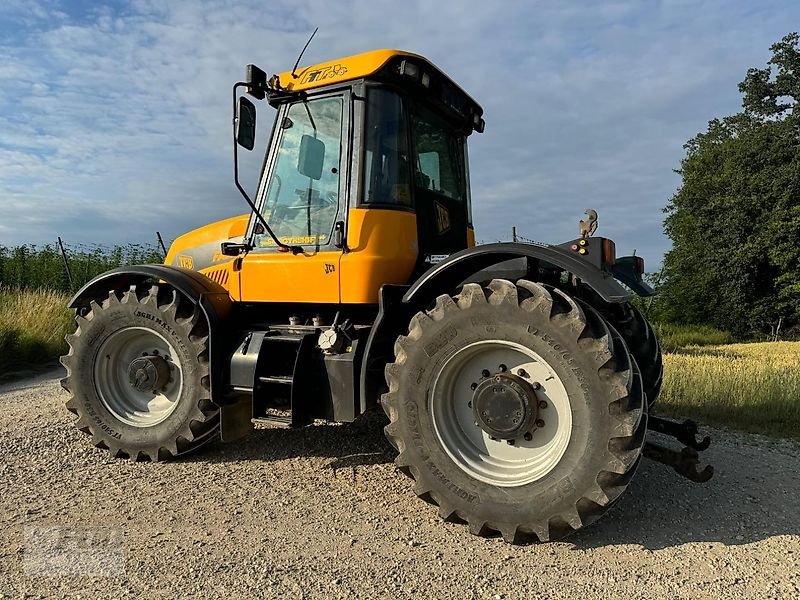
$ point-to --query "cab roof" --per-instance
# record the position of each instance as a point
(367, 65)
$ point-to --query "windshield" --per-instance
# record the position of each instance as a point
(302, 197)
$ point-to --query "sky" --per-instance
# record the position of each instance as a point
(115, 117)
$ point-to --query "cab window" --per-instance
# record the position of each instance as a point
(302, 197)
(439, 156)
(387, 164)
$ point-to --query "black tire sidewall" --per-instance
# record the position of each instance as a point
(94, 332)
(588, 394)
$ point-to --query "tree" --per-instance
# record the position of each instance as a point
(735, 220)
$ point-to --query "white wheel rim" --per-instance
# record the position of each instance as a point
(112, 380)
(495, 461)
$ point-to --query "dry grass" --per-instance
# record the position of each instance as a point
(32, 327)
(752, 387)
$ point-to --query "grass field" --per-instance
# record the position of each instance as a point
(32, 328)
(752, 387)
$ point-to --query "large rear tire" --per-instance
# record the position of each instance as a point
(640, 337)
(586, 437)
(138, 374)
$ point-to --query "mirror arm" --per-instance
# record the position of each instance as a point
(242, 191)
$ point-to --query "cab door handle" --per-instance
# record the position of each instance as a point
(338, 235)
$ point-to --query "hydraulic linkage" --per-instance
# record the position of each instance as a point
(686, 460)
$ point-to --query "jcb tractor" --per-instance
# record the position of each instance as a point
(517, 378)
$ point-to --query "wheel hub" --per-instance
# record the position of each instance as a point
(505, 406)
(148, 373)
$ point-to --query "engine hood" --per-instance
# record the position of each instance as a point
(200, 248)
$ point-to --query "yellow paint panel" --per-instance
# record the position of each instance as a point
(213, 232)
(226, 275)
(284, 277)
(470, 237)
(383, 249)
(341, 69)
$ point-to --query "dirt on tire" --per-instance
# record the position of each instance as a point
(321, 512)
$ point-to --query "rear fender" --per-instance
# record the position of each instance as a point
(399, 303)
(459, 267)
(213, 300)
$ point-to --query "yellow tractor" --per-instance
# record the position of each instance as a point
(516, 377)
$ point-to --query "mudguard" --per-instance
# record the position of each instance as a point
(395, 311)
(213, 300)
(458, 267)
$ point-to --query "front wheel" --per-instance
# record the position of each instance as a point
(138, 374)
(516, 410)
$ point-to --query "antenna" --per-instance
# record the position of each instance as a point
(294, 75)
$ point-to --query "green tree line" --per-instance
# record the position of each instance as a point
(735, 220)
(42, 267)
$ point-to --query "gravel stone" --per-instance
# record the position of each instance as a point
(321, 512)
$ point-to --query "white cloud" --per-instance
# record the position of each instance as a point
(116, 122)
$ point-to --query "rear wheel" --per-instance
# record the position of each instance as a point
(516, 410)
(640, 337)
(137, 369)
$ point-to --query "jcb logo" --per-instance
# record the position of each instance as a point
(187, 262)
(442, 218)
(329, 268)
(324, 73)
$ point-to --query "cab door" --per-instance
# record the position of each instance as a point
(303, 197)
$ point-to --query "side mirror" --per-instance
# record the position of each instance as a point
(312, 155)
(246, 123)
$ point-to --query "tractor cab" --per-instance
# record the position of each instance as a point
(365, 178)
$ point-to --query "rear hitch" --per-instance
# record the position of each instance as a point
(685, 433)
(686, 460)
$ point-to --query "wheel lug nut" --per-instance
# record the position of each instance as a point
(485, 373)
(473, 386)
(536, 385)
(510, 442)
(539, 423)
(542, 404)
(528, 436)
(522, 373)
(503, 368)
(469, 404)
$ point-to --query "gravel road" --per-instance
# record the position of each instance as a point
(321, 513)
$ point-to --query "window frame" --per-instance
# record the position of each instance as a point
(462, 169)
(361, 201)
(271, 157)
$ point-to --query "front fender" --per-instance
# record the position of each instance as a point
(213, 300)
(458, 267)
